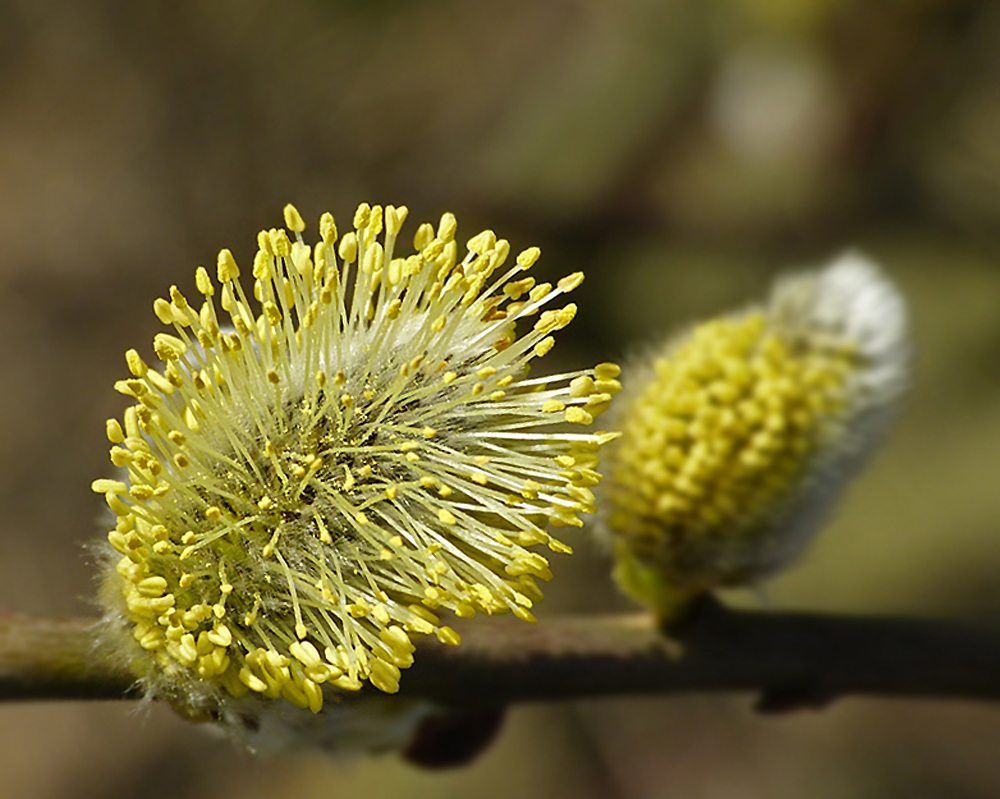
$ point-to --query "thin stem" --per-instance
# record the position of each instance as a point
(789, 659)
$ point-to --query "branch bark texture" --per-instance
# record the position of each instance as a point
(789, 659)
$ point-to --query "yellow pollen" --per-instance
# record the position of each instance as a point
(699, 455)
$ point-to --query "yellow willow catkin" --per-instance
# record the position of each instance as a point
(737, 435)
(311, 476)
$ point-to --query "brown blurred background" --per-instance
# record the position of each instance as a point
(680, 151)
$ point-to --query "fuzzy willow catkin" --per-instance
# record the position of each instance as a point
(737, 435)
(310, 477)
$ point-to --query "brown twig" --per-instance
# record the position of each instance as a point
(788, 659)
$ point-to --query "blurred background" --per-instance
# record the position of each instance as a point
(680, 151)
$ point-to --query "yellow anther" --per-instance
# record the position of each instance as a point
(273, 313)
(527, 258)
(482, 242)
(540, 292)
(252, 681)
(447, 227)
(570, 282)
(226, 267)
(152, 586)
(135, 364)
(447, 517)
(394, 273)
(384, 676)
(305, 653)
(114, 431)
(118, 507)
(578, 415)
(544, 346)
(167, 347)
(373, 258)
(374, 226)
(164, 311)
(582, 386)
(133, 388)
(393, 308)
(191, 419)
(328, 229)
(203, 282)
(423, 236)
(348, 248)
(516, 288)
(433, 250)
(141, 492)
(105, 486)
(361, 216)
(264, 248)
(121, 457)
(178, 300)
(500, 252)
(566, 315)
(293, 219)
(280, 244)
(448, 636)
(394, 218)
(159, 382)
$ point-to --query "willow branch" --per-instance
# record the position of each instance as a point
(789, 659)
